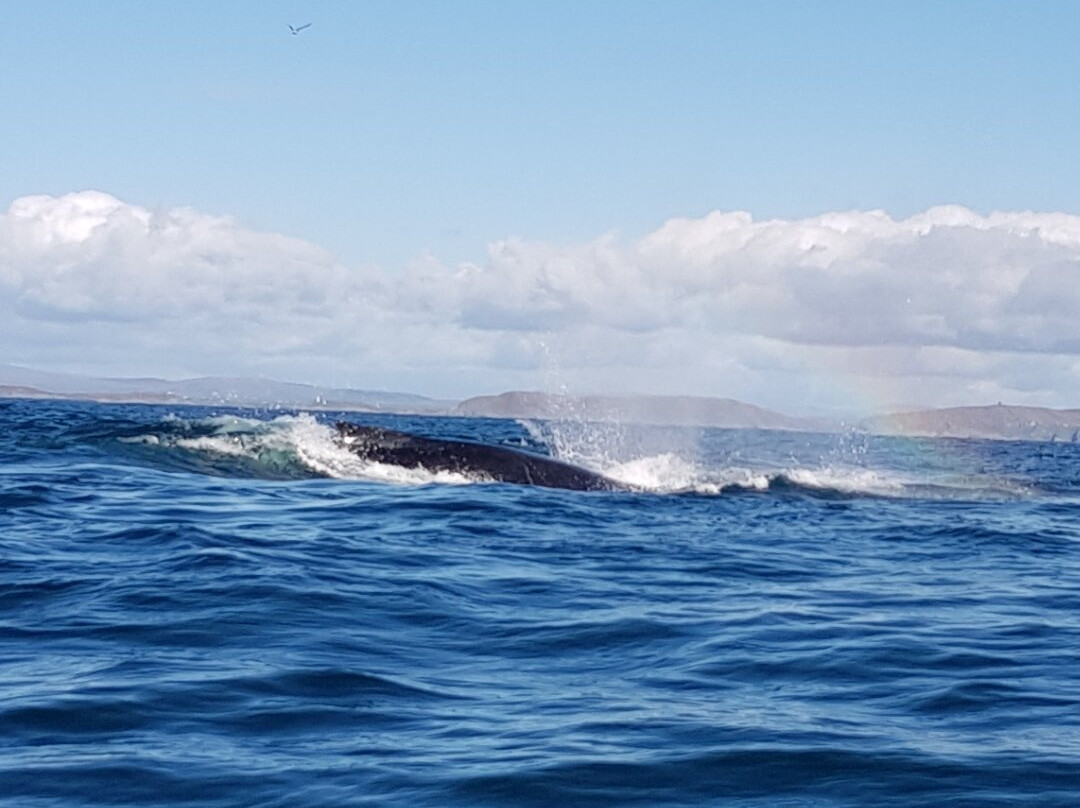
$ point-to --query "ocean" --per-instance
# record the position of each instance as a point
(218, 607)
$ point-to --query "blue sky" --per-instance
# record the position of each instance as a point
(395, 133)
(391, 128)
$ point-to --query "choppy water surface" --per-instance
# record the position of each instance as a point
(225, 608)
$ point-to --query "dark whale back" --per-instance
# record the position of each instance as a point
(497, 463)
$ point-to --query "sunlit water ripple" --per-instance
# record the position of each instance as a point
(217, 608)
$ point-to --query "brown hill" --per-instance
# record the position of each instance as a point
(997, 422)
(21, 391)
(668, 410)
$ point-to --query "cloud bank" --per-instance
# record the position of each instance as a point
(849, 310)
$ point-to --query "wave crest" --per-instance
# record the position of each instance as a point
(301, 446)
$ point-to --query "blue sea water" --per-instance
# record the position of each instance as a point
(222, 608)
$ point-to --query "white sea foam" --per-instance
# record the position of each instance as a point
(300, 439)
(847, 480)
(318, 449)
(664, 472)
(669, 473)
(220, 445)
(598, 447)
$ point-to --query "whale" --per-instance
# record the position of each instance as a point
(481, 461)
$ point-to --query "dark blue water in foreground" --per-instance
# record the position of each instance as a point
(207, 608)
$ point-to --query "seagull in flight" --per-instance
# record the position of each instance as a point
(299, 28)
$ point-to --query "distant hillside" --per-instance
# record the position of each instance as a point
(997, 422)
(20, 391)
(233, 391)
(668, 410)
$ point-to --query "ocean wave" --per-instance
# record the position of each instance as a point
(183, 628)
(299, 446)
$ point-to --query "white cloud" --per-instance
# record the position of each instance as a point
(844, 309)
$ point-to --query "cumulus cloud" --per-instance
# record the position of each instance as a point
(947, 306)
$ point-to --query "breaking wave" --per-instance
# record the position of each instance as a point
(301, 446)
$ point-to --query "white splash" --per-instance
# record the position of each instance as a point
(848, 480)
(311, 443)
(668, 473)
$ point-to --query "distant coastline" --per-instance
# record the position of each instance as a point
(992, 422)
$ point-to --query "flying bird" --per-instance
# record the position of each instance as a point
(299, 28)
